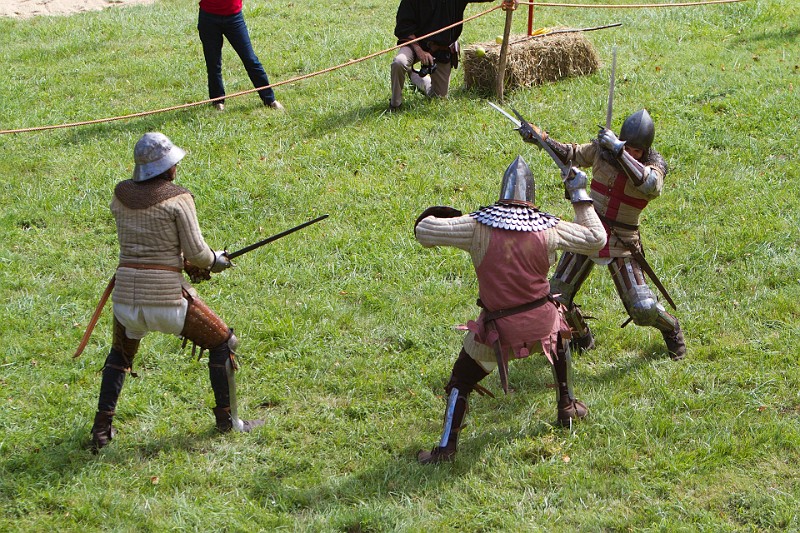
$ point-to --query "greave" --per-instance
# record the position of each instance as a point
(466, 374)
(218, 358)
(562, 372)
(568, 407)
(220, 372)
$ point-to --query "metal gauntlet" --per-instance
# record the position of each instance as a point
(575, 187)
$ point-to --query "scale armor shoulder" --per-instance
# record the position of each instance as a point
(514, 218)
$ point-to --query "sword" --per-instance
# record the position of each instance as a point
(198, 275)
(259, 244)
(565, 169)
(610, 108)
(508, 116)
(524, 126)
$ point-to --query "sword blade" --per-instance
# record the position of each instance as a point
(508, 116)
(610, 107)
(275, 237)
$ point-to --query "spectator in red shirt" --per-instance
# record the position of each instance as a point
(223, 18)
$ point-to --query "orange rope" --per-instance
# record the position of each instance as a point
(623, 6)
(234, 95)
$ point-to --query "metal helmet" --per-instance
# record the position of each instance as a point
(518, 186)
(154, 154)
(638, 130)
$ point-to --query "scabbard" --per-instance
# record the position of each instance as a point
(95, 317)
(639, 256)
(502, 366)
(502, 363)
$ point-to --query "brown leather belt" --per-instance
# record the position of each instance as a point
(141, 266)
(502, 313)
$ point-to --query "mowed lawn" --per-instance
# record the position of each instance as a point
(349, 328)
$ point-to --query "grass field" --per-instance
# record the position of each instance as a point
(347, 328)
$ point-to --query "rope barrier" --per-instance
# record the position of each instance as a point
(629, 6)
(249, 91)
(352, 62)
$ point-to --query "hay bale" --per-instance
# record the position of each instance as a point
(530, 61)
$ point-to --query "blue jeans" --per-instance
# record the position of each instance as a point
(211, 29)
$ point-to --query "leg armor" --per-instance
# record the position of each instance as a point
(205, 329)
(568, 407)
(640, 302)
(463, 380)
(203, 326)
(643, 306)
(118, 363)
(571, 272)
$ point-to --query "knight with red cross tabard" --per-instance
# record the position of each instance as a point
(626, 174)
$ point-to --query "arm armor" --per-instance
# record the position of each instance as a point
(644, 177)
(565, 152)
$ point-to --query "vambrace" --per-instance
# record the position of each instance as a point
(639, 301)
(565, 152)
(644, 177)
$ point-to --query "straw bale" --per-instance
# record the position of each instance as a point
(530, 61)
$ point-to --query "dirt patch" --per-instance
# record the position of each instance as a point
(32, 8)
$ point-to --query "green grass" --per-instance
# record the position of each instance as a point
(347, 328)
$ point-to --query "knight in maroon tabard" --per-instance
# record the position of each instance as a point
(512, 245)
(626, 174)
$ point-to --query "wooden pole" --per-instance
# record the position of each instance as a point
(530, 19)
(501, 67)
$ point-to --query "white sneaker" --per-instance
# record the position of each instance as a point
(276, 105)
(219, 106)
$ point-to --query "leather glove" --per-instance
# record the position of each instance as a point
(608, 140)
(196, 274)
(221, 262)
(575, 186)
(525, 132)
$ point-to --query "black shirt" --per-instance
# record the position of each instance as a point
(421, 17)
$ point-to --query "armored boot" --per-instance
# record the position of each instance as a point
(676, 346)
(457, 407)
(223, 383)
(463, 380)
(102, 430)
(569, 408)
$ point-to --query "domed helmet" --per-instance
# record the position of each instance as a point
(154, 154)
(638, 130)
(518, 187)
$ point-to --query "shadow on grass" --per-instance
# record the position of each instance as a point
(775, 37)
(414, 105)
(70, 454)
(504, 422)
